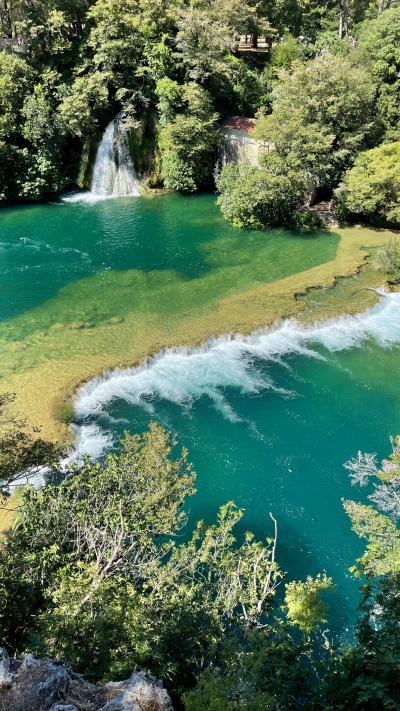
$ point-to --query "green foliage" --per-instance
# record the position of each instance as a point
(382, 555)
(379, 47)
(262, 671)
(92, 573)
(206, 34)
(388, 259)
(371, 188)
(169, 94)
(286, 52)
(258, 198)
(305, 608)
(15, 82)
(366, 675)
(188, 144)
(84, 60)
(21, 449)
(322, 116)
(104, 584)
(80, 102)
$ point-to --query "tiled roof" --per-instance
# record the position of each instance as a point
(241, 123)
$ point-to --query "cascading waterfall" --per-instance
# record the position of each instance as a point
(114, 173)
(184, 375)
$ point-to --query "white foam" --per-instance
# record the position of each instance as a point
(90, 441)
(84, 197)
(182, 375)
(88, 198)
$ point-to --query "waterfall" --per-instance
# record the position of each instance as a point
(114, 173)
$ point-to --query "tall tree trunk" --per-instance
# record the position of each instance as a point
(344, 18)
(6, 20)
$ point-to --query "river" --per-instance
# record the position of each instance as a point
(269, 419)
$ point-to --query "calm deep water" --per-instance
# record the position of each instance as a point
(267, 423)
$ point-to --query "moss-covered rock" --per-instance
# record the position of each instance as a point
(87, 160)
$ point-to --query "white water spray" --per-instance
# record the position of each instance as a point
(183, 375)
(114, 173)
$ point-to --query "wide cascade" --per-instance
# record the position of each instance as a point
(114, 173)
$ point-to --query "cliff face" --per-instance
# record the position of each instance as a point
(47, 685)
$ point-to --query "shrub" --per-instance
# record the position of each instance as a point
(258, 199)
(388, 259)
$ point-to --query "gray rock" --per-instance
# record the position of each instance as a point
(140, 691)
(6, 677)
(48, 685)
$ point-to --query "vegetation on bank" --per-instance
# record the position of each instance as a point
(388, 259)
(325, 90)
(371, 188)
(93, 572)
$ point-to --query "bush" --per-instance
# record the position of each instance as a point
(388, 259)
(258, 199)
(188, 153)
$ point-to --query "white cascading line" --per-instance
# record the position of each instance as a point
(114, 173)
(183, 375)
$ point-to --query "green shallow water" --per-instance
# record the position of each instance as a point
(71, 262)
(87, 283)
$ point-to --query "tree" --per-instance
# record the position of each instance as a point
(365, 675)
(379, 47)
(188, 143)
(371, 188)
(305, 608)
(386, 478)
(382, 555)
(388, 259)
(265, 670)
(208, 32)
(49, 28)
(104, 584)
(258, 198)
(81, 102)
(15, 82)
(322, 116)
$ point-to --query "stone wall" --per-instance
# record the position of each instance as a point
(238, 146)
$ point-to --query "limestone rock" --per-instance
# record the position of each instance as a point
(48, 685)
(140, 691)
(6, 677)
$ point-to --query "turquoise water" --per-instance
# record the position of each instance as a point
(268, 421)
(272, 433)
(47, 247)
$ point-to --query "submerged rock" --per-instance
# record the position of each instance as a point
(48, 685)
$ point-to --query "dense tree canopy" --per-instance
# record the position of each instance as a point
(371, 189)
(379, 47)
(322, 116)
(68, 66)
(94, 572)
